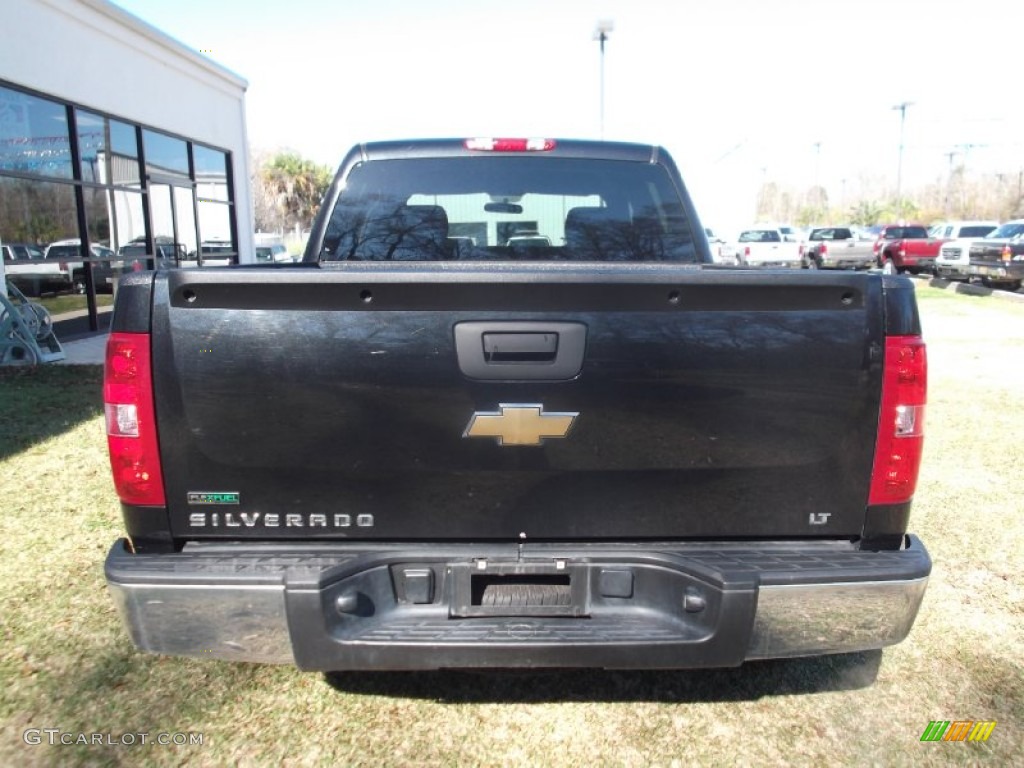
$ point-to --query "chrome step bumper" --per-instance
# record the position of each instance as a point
(646, 605)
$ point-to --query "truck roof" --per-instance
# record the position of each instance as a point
(608, 150)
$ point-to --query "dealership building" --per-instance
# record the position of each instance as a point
(117, 139)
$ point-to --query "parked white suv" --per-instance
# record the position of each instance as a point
(954, 256)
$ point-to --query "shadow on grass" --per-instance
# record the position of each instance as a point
(749, 682)
(46, 401)
(120, 691)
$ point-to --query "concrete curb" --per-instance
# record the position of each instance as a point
(970, 289)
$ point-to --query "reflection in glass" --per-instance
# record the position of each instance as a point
(37, 212)
(210, 164)
(508, 208)
(107, 150)
(185, 213)
(33, 135)
(114, 217)
(165, 155)
(161, 212)
(123, 140)
(215, 222)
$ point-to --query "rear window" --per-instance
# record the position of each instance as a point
(831, 234)
(508, 208)
(906, 233)
(760, 236)
(978, 231)
(64, 252)
(1009, 230)
(23, 252)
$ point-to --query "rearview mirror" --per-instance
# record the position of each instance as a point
(503, 208)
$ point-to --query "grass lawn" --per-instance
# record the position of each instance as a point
(70, 302)
(66, 662)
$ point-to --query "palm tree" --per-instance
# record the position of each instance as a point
(296, 186)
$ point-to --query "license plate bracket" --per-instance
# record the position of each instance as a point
(484, 588)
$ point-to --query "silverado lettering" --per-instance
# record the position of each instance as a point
(562, 435)
(254, 519)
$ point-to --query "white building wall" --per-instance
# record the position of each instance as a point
(95, 54)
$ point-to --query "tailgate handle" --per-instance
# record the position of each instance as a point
(526, 351)
(520, 347)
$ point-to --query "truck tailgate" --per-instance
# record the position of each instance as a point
(336, 403)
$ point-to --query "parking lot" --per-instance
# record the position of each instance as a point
(67, 664)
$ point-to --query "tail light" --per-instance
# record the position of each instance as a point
(903, 252)
(824, 249)
(131, 420)
(900, 438)
(1007, 253)
(801, 249)
(746, 251)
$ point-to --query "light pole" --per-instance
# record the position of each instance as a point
(818, 197)
(902, 107)
(604, 26)
(949, 182)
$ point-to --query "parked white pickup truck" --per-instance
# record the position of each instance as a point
(764, 247)
(26, 268)
(955, 256)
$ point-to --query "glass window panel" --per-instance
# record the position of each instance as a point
(97, 216)
(114, 217)
(37, 212)
(101, 162)
(128, 224)
(215, 222)
(210, 164)
(123, 140)
(33, 135)
(211, 192)
(185, 214)
(169, 249)
(165, 155)
(92, 146)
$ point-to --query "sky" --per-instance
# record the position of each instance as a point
(739, 92)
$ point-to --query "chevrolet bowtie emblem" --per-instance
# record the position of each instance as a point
(520, 424)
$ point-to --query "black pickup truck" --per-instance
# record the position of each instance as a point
(507, 413)
(999, 259)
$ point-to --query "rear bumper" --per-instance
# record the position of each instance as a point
(796, 263)
(839, 261)
(998, 271)
(426, 606)
(952, 269)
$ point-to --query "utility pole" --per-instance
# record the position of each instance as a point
(817, 168)
(604, 26)
(902, 107)
(966, 151)
(949, 182)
